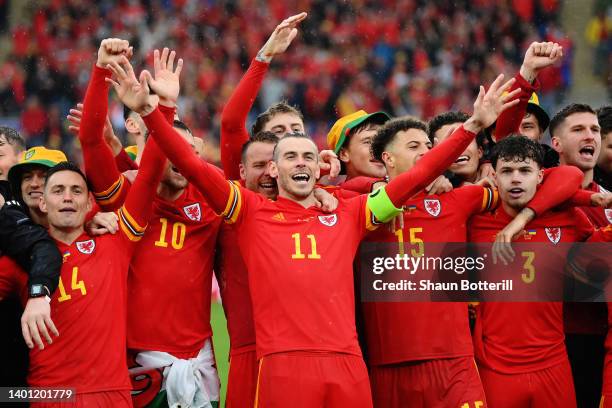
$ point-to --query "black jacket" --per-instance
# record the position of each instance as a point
(28, 243)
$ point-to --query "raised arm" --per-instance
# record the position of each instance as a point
(487, 107)
(233, 118)
(207, 178)
(109, 187)
(537, 57)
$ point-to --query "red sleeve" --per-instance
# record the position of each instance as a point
(476, 199)
(509, 120)
(124, 162)
(233, 118)
(582, 198)
(109, 186)
(559, 184)
(135, 213)
(215, 188)
(430, 166)
(361, 185)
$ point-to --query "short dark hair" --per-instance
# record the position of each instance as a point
(179, 124)
(517, 147)
(604, 117)
(268, 114)
(443, 119)
(13, 138)
(67, 166)
(369, 123)
(289, 136)
(386, 134)
(261, 137)
(560, 116)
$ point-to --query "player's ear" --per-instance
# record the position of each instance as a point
(272, 169)
(540, 175)
(42, 204)
(387, 159)
(242, 171)
(344, 155)
(556, 144)
(89, 203)
(131, 126)
(480, 153)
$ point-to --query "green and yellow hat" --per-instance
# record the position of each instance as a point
(533, 107)
(343, 126)
(35, 156)
(132, 152)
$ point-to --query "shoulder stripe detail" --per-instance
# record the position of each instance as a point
(129, 226)
(234, 203)
(109, 195)
(490, 197)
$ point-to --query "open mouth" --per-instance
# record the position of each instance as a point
(462, 159)
(516, 192)
(267, 185)
(587, 152)
(35, 194)
(301, 178)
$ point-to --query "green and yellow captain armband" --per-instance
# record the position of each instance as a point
(381, 205)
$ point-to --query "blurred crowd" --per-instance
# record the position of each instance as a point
(599, 37)
(417, 57)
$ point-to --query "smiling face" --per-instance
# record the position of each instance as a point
(517, 181)
(407, 148)
(295, 167)
(466, 165)
(65, 201)
(255, 171)
(578, 140)
(356, 155)
(32, 186)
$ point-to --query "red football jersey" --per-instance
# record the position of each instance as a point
(88, 309)
(300, 264)
(435, 219)
(233, 278)
(169, 286)
(526, 336)
(13, 280)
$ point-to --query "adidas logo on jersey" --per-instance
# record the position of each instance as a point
(279, 217)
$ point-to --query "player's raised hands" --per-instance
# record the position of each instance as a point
(540, 55)
(281, 38)
(112, 49)
(489, 104)
(166, 81)
(134, 93)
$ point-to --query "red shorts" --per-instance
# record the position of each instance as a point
(115, 399)
(311, 379)
(551, 387)
(242, 380)
(443, 383)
